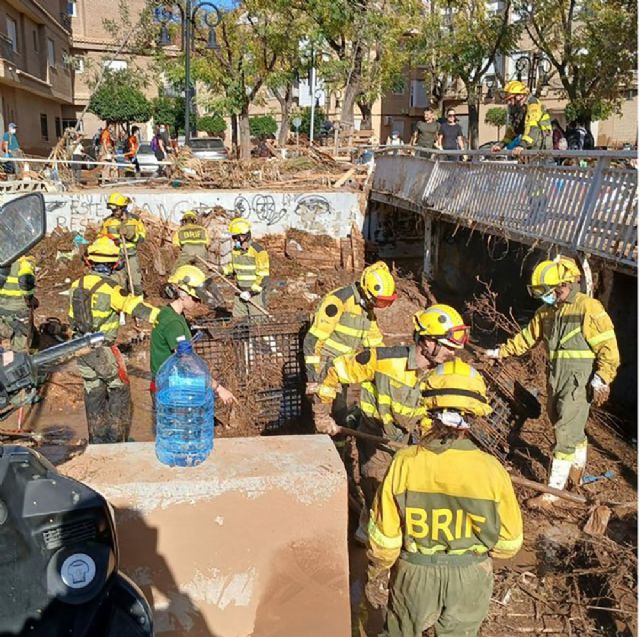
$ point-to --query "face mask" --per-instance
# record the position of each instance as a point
(12, 131)
(237, 245)
(162, 129)
(452, 419)
(549, 298)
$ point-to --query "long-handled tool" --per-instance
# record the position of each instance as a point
(123, 244)
(530, 484)
(215, 270)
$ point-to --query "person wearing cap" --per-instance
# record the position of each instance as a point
(187, 287)
(443, 511)
(249, 266)
(192, 239)
(11, 148)
(390, 395)
(583, 362)
(528, 122)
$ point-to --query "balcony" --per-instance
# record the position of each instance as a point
(6, 49)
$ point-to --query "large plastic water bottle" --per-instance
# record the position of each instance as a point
(184, 409)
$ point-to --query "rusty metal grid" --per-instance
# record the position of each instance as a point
(251, 347)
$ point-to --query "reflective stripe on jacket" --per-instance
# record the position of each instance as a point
(190, 234)
(390, 386)
(132, 228)
(342, 325)
(444, 498)
(536, 130)
(250, 267)
(578, 333)
(21, 281)
(107, 301)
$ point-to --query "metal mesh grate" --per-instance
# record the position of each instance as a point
(69, 533)
(264, 355)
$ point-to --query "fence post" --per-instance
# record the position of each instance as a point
(590, 202)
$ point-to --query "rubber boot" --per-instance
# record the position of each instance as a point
(119, 413)
(557, 479)
(95, 406)
(361, 536)
(578, 466)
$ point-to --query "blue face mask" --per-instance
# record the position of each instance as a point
(237, 245)
(549, 298)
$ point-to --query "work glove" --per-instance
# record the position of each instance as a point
(311, 389)
(517, 151)
(492, 353)
(245, 296)
(376, 589)
(324, 422)
(600, 391)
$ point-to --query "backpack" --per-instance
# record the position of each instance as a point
(82, 322)
(155, 146)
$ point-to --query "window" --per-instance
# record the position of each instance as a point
(78, 64)
(418, 96)
(36, 44)
(71, 123)
(398, 124)
(51, 52)
(398, 86)
(58, 127)
(12, 33)
(116, 65)
(44, 127)
(72, 8)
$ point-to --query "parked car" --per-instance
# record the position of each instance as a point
(208, 148)
(147, 159)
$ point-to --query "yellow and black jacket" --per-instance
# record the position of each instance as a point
(390, 392)
(192, 239)
(343, 324)
(578, 333)
(131, 228)
(533, 126)
(441, 499)
(19, 287)
(250, 267)
(108, 299)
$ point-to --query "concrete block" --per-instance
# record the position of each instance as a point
(253, 542)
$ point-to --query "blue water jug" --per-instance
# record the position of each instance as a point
(184, 409)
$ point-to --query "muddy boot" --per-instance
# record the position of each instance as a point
(558, 480)
(361, 536)
(95, 405)
(120, 413)
(579, 465)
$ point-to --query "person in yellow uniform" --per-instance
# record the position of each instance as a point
(390, 395)
(583, 361)
(344, 323)
(444, 509)
(249, 266)
(192, 239)
(96, 299)
(17, 302)
(126, 229)
(528, 122)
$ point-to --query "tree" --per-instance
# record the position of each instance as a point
(305, 116)
(497, 117)
(212, 124)
(119, 100)
(592, 45)
(169, 110)
(262, 126)
(464, 38)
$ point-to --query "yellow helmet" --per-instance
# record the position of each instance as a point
(116, 200)
(189, 215)
(516, 87)
(239, 226)
(456, 386)
(103, 250)
(188, 278)
(443, 324)
(548, 275)
(378, 284)
(571, 266)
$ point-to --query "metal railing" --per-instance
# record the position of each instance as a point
(590, 208)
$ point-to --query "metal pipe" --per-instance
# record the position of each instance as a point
(187, 72)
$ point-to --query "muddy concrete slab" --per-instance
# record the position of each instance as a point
(251, 542)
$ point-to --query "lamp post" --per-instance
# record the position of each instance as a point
(188, 17)
(534, 65)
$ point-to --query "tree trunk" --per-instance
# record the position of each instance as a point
(352, 89)
(244, 141)
(285, 114)
(234, 131)
(473, 105)
(365, 110)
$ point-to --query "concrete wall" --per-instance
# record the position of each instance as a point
(251, 542)
(271, 212)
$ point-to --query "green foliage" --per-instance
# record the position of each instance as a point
(496, 116)
(305, 116)
(212, 124)
(169, 110)
(262, 126)
(592, 47)
(119, 100)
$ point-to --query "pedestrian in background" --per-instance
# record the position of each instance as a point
(11, 148)
(132, 145)
(450, 135)
(426, 134)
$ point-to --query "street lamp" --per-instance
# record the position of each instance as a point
(188, 18)
(534, 66)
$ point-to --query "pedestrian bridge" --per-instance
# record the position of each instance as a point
(592, 210)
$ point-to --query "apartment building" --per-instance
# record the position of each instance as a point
(36, 76)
